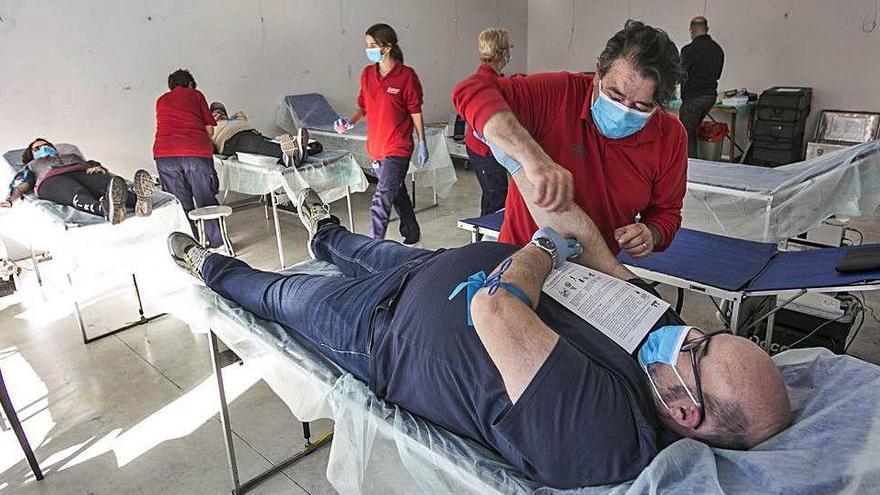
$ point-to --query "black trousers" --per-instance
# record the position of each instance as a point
(692, 112)
(80, 190)
(251, 142)
(493, 182)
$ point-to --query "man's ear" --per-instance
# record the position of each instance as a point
(686, 415)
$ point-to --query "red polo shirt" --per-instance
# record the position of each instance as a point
(181, 117)
(389, 103)
(614, 179)
(472, 143)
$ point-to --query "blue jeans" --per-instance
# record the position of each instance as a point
(193, 181)
(337, 315)
(493, 181)
(391, 189)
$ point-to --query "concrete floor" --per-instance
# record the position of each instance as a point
(136, 412)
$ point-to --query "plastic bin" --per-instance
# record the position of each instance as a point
(710, 140)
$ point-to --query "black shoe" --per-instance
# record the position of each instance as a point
(113, 201)
(144, 187)
(311, 212)
(187, 253)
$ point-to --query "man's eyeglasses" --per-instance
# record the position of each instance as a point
(693, 346)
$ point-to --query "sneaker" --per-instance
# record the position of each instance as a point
(302, 138)
(311, 211)
(144, 187)
(291, 151)
(113, 201)
(187, 253)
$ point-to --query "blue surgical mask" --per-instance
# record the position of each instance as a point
(374, 54)
(45, 151)
(615, 120)
(663, 347)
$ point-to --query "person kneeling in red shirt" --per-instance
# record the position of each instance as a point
(606, 136)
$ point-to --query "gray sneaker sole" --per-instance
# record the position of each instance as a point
(290, 148)
(117, 193)
(144, 187)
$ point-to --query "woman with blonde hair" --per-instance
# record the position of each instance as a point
(494, 48)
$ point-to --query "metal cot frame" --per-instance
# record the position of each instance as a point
(218, 360)
(273, 199)
(77, 311)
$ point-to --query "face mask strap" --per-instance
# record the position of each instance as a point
(656, 390)
(686, 389)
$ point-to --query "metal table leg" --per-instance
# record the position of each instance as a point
(224, 412)
(350, 213)
(81, 323)
(277, 229)
(36, 266)
(12, 416)
(238, 487)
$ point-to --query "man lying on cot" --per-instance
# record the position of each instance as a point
(69, 179)
(235, 134)
(530, 379)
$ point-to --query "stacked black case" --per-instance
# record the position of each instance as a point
(781, 119)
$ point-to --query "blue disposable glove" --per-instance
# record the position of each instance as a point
(565, 248)
(511, 165)
(423, 153)
(342, 125)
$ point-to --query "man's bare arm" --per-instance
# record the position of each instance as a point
(575, 223)
(553, 186)
(517, 341)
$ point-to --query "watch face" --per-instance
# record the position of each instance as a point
(545, 243)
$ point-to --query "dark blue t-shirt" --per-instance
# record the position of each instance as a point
(587, 417)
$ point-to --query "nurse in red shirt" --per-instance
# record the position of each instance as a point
(494, 47)
(183, 149)
(607, 136)
(391, 99)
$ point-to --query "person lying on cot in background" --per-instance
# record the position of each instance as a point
(69, 179)
(601, 139)
(235, 134)
(554, 396)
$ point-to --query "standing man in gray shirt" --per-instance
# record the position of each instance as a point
(701, 63)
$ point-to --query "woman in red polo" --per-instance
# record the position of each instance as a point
(391, 99)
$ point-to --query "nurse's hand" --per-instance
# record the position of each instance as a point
(423, 153)
(6, 203)
(342, 125)
(635, 239)
(553, 185)
(97, 169)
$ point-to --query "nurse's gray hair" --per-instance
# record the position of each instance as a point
(652, 54)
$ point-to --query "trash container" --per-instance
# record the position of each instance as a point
(710, 140)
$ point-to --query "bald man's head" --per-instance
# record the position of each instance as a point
(745, 399)
(699, 26)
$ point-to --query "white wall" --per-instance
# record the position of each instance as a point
(818, 43)
(89, 72)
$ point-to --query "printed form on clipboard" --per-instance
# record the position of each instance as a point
(615, 307)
